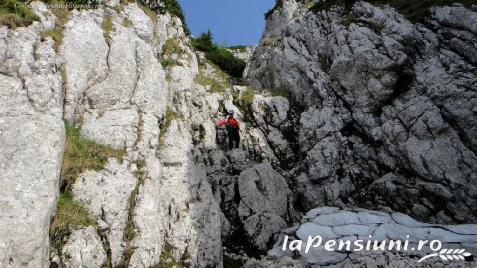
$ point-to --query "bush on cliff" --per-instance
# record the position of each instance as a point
(219, 55)
(278, 4)
(168, 6)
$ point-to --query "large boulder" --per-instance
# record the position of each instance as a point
(265, 206)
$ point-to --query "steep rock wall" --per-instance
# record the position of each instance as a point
(388, 120)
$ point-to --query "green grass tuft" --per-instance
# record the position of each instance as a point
(15, 13)
(247, 97)
(108, 26)
(172, 46)
(278, 92)
(169, 117)
(171, 51)
(215, 85)
(167, 259)
(269, 41)
(127, 23)
(57, 35)
(70, 215)
(82, 154)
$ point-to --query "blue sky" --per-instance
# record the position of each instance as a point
(236, 22)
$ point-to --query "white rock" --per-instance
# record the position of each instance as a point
(106, 193)
(84, 249)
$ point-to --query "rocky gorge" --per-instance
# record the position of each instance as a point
(356, 120)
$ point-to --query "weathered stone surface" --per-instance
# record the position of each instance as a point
(117, 128)
(84, 249)
(106, 194)
(381, 115)
(32, 140)
(85, 54)
(379, 96)
(264, 203)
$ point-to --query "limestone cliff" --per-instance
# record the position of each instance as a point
(343, 108)
(389, 118)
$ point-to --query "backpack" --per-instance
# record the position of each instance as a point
(232, 124)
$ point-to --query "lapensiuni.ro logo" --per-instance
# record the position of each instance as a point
(447, 254)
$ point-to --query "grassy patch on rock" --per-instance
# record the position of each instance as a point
(269, 41)
(82, 154)
(108, 27)
(167, 259)
(247, 97)
(219, 55)
(172, 46)
(274, 92)
(70, 215)
(15, 13)
(171, 52)
(215, 85)
(170, 116)
(55, 33)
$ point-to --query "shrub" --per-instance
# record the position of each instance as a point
(82, 154)
(14, 13)
(69, 215)
(168, 6)
(219, 55)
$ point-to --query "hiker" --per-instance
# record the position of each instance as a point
(233, 128)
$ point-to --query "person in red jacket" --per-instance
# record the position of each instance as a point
(233, 128)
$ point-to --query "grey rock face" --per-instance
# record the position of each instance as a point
(358, 224)
(265, 204)
(106, 194)
(387, 106)
(381, 115)
(84, 249)
(32, 140)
